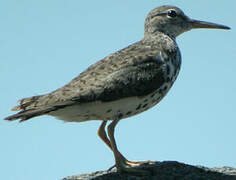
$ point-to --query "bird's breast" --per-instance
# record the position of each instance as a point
(124, 107)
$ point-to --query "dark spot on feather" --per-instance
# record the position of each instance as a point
(175, 71)
(129, 112)
(139, 106)
(168, 69)
(152, 95)
(144, 105)
(165, 88)
(120, 115)
(168, 79)
(109, 110)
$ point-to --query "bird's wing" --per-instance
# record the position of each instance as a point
(132, 80)
(132, 71)
(140, 74)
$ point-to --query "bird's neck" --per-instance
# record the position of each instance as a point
(161, 39)
(155, 35)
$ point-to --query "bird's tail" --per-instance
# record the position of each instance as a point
(29, 108)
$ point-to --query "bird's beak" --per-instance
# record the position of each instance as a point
(202, 24)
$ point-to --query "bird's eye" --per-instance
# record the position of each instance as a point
(172, 13)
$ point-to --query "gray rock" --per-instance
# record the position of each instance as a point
(167, 170)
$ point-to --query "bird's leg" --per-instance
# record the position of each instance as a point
(122, 164)
(102, 134)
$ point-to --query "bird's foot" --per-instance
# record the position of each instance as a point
(134, 167)
(138, 163)
(131, 167)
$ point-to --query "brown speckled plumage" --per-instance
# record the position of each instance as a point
(136, 70)
(122, 84)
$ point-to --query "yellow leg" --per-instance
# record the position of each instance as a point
(102, 134)
(122, 164)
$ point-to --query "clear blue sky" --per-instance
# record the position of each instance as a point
(44, 44)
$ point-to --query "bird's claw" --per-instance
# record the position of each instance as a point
(134, 167)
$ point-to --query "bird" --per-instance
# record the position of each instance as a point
(123, 84)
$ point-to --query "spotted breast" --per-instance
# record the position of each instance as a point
(134, 88)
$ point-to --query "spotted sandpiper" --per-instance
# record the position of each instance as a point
(122, 84)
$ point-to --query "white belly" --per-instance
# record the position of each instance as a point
(98, 110)
(121, 108)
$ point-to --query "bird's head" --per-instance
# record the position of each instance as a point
(172, 21)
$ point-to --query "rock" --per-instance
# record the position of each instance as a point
(167, 170)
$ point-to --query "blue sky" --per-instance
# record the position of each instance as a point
(44, 44)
